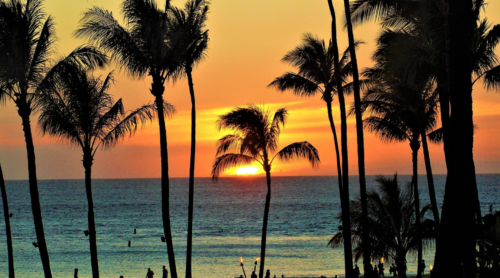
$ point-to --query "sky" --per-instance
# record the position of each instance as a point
(248, 38)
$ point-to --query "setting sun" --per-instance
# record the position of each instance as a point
(247, 170)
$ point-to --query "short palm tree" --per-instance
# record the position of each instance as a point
(82, 113)
(26, 43)
(142, 48)
(393, 231)
(8, 231)
(191, 42)
(320, 71)
(255, 139)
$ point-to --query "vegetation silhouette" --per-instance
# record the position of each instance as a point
(321, 71)
(83, 114)
(8, 231)
(191, 41)
(141, 47)
(255, 139)
(393, 229)
(455, 69)
(26, 43)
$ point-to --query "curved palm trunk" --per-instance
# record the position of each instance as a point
(35, 197)
(430, 179)
(189, 251)
(6, 214)
(264, 224)
(344, 194)
(360, 143)
(415, 145)
(336, 143)
(460, 200)
(157, 90)
(87, 164)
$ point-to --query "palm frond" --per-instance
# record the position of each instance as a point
(129, 125)
(300, 85)
(279, 118)
(228, 161)
(42, 52)
(229, 143)
(103, 30)
(300, 150)
(492, 78)
(436, 136)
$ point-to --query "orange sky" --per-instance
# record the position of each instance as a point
(247, 40)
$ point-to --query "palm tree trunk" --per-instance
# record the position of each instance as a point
(400, 266)
(6, 214)
(336, 143)
(157, 91)
(415, 145)
(430, 179)
(264, 224)
(344, 194)
(458, 217)
(87, 164)
(189, 251)
(35, 197)
(360, 142)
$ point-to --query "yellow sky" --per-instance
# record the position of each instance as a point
(247, 40)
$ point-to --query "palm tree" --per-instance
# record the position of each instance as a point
(359, 133)
(401, 111)
(82, 113)
(321, 72)
(26, 43)
(255, 139)
(191, 40)
(6, 214)
(141, 48)
(393, 230)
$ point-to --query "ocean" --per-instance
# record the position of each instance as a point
(227, 225)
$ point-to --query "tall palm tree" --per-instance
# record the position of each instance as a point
(255, 139)
(26, 44)
(320, 71)
(191, 42)
(359, 134)
(392, 48)
(400, 112)
(393, 232)
(6, 214)
(82, 113)
(141, 47)
(320, 67)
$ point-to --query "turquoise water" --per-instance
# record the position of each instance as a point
(227, 225)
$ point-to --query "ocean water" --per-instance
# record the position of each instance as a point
(227, 224)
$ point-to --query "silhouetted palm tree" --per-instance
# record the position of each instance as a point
(318, 66)
(255, 139)
(191, 42)
(393, 231)
(82, 113)
(401, 111)
(8, 231)
(359, 132)
(26, 43)
(141, 47)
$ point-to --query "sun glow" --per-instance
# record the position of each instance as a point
(247, 170)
